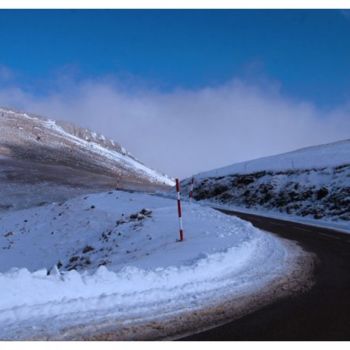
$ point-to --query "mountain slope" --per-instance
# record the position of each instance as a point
(53, 155)
(313, 182)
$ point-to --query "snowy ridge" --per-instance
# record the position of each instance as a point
(113, 155)
(112, 262)
(317, 157)
(82, 139)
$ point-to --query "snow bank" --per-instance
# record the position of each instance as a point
(143, 279)
(343, 227)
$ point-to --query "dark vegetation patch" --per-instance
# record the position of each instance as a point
(291, 191)
(78, 263)
(87, 249)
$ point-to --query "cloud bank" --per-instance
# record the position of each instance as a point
(185, 131)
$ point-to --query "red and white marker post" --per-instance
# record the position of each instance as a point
(191, 189)
(179, 210)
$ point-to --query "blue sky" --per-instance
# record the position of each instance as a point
(306, 52)
(185, 91)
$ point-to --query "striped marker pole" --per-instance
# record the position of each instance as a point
(191, 189)
(179, 210)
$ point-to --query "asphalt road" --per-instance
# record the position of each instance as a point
(322, 313)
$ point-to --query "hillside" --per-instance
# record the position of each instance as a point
(42, 160)
(314, 157)
(313, 182)
(80, 259)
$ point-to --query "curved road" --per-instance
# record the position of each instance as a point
(323, 313)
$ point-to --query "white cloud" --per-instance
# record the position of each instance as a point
(187, 131)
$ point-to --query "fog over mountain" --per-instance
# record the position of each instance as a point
(186, 131)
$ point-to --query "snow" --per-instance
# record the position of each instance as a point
(120, 263)
(327, 155)
(111, 261)
(125, 159)
(113, 155)
(335, 225)
(311, 184)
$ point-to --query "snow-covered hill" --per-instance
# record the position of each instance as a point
(316, 157)
(313, 182)
(82, 260)
(107, 266)
(60, 159)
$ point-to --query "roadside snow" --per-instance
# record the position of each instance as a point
(335, 225)
(310, 183)
(120, 265)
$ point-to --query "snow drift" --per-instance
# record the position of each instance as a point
(107, 266)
